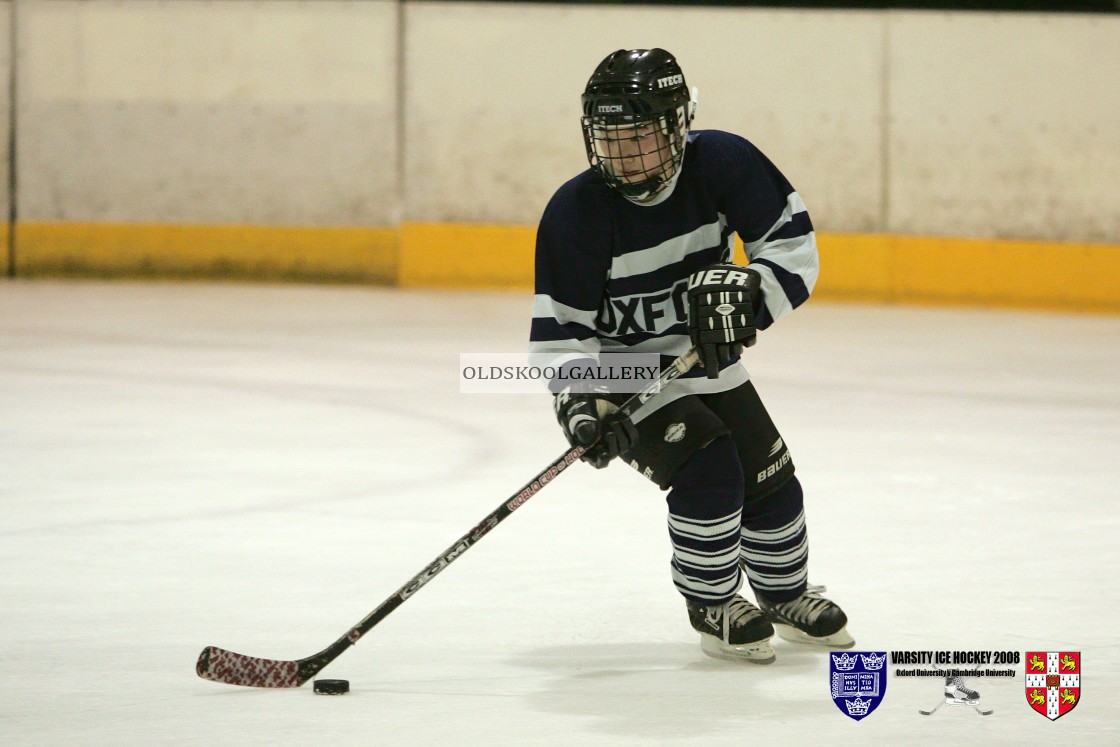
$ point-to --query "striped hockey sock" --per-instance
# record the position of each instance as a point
(777, 559)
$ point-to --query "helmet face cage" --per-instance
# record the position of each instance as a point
(639, 155)
(636, 114)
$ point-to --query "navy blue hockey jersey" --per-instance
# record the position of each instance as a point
(611, 275)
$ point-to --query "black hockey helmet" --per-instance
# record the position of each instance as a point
(636, 114)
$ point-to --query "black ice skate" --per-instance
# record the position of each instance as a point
(809, 619)
(955, 689)
(956, 694)
(733, 630)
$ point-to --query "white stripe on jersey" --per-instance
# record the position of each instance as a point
(674, 345)
(671, 251)
(546, 307)
(558, 352)
(797, 254)
(794, 205)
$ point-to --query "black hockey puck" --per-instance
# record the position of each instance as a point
(332, 687)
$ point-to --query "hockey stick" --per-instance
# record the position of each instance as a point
(219, 665)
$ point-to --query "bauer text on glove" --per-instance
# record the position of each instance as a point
(721, 304)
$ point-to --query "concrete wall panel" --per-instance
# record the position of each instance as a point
(1005, 125)
(268, 112)
(492, 99)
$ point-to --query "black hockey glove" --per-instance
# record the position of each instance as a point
(721, 303)
(590, 419)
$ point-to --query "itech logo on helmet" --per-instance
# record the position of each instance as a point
(610, 108)
(672, 80)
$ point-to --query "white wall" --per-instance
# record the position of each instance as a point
(275, 111)
(286, 111)
(492, 99)
(5, 116)
(910, 122)
(1005, 125)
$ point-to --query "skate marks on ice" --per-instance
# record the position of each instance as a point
(182, 391)
(669, 691)
(226, 400)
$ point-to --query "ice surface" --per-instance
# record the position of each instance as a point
(258, 467)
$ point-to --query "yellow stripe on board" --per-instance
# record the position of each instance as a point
(956, 271)
(858, 267)
(160, 250)
(461, 255)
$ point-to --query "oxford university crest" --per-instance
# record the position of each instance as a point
(857, 681)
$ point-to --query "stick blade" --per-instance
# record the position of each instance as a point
(218, 665)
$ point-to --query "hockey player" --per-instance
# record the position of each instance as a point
(634, 255)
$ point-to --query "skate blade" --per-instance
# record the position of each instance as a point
(839, 639)
(758, 652)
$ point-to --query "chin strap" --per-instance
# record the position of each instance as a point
(661, 195)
